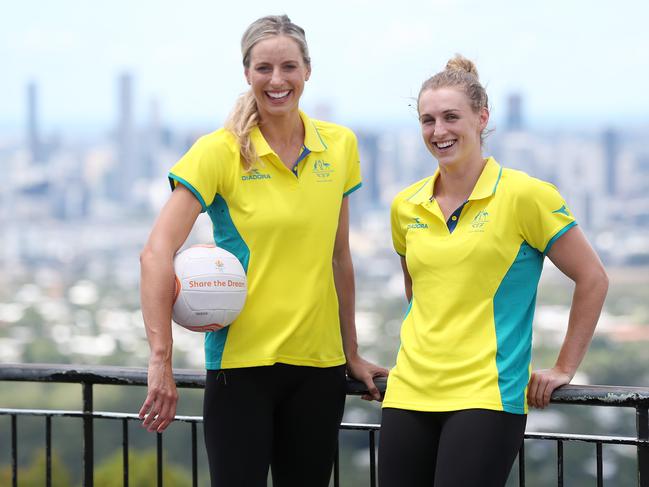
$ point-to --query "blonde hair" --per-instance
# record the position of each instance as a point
(463, 73)
(245, 115)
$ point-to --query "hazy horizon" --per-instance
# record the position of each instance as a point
(574, 63)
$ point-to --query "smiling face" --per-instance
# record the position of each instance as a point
(449, 126)
(276, 73)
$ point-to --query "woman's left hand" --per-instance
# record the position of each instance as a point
(542, 384)
(364, 371)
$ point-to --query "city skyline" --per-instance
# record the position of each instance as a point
(567, 61)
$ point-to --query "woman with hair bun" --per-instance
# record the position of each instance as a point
(472, 239)
(275, 184)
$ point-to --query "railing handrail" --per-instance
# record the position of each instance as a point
(87, 376)
(594, 395)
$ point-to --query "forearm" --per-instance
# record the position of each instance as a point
(157, 290)
(587, 302)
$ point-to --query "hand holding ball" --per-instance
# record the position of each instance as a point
(211, 288)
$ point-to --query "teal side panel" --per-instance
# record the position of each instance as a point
(227, 237)
(408, 309)
(214, 346)
(226, 234)
(514, 305)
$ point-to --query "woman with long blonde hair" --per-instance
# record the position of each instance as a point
(275, 184)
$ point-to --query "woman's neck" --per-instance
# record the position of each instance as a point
(283, 131)
(456, 182)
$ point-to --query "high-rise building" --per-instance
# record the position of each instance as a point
(610, 144)
(125, 169)
(514, 120)
(125, 126)
(368, 145)
(33, 135)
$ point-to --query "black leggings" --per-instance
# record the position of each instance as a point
(469, 448)
(281, 415)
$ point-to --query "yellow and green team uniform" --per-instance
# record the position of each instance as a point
(467, 335)
(281, 224)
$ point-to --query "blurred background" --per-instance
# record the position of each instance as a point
(99, 99)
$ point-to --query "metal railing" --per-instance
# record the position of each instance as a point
(88, 376)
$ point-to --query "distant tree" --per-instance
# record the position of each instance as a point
(41, 349)
(33, 319)
(142, 471)
(34, 474)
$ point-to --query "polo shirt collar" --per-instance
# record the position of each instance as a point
(259, 142)
(312, 140)
(485, 186)
(425, 191)
(488, 180)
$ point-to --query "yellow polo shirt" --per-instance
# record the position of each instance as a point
(466, 339)
(281, 224)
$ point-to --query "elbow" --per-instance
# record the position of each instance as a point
(341, 259)
(146, 255)
(593, 281)
(603, 281)
(150, 256)
(598, 281)
(601, 277)
(340, 263)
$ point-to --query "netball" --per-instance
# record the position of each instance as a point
(211, 288)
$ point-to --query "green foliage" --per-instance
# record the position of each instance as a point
(41, 349)
(142, 471)
(34, 474)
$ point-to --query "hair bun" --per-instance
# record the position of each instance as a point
(460, 63)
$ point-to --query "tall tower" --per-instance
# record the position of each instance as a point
(33, 134)
(125, 168)
(514, 112)
(610, 144)
(368, 145)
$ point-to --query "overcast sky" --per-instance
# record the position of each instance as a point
(574, 62)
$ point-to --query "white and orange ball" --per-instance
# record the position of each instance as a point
(211, 288)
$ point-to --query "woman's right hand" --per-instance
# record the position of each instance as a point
(159, 407)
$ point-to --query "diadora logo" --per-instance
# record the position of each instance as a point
(322, 169)
(255, 174)
(417, 224)
(479, 221)
(563, 210)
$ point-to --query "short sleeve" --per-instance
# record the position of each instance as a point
(543, 215)
(398, 235)
(200, 170)
(353, 179)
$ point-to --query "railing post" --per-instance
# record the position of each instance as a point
(125, 451)
(159, 457)
(337, 466)
(88, 436)
(14, 450)
(521, 465)
(48, 451)
(560, 463)
(372, 458)
(642, 427)
(194, 456)
(600, 464)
